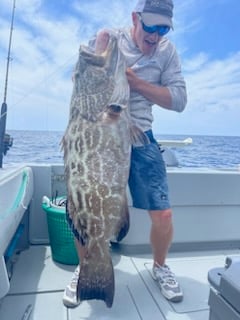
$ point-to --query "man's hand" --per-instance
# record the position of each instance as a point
(102, 41)
(155, 93)
(133, 80)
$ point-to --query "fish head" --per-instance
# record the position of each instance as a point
(99, 81)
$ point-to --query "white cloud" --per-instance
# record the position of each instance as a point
(213, 99)
(214, 83)
(44, 50)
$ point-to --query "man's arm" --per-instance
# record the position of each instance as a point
(156, 94)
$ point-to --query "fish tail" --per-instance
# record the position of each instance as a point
(96, 278)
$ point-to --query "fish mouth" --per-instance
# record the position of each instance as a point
(101, 81)
(109, 58)
(90, 57)
(100, 59)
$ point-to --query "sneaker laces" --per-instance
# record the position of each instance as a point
(165, 274)
(74, 280)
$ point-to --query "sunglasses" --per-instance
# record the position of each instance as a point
(161, 30)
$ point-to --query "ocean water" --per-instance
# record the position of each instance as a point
(205, 151)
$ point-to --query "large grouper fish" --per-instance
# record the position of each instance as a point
(97, 145)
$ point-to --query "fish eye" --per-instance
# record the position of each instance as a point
(115, 108)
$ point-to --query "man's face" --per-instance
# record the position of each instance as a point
(146, 42)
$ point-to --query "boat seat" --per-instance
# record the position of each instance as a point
(16, 190)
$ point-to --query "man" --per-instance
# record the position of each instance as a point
(154, 76)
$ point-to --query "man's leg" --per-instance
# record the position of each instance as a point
(161, 234)
(161, 238)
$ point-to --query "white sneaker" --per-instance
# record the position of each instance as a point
(70, 293)
(167, 282)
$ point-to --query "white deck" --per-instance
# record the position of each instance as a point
(39, 282)
(206, 206)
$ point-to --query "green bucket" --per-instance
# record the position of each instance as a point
(60, 235)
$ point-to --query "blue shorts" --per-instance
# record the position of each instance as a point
(148, 178)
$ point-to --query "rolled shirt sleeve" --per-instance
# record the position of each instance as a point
(172, 78)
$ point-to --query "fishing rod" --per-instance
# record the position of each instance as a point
(5, 140)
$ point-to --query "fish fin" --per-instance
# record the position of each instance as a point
(123, 225)
(96, 278)
(138, 137)
(62, 143)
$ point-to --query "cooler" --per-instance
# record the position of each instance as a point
(224, 297)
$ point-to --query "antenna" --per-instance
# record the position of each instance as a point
(3, 117)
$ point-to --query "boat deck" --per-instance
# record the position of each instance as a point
(38, 283)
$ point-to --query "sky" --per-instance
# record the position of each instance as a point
(45, 42)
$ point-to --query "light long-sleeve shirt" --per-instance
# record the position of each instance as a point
(161, 68)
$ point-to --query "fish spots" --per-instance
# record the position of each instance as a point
(97, 227)
(111, 206)
(77, 144)
(79, 199)
(89, 138)
(80, 169)
(70, 206)
(75, 113)
(91, 102)
(69, 145)
(96, 158)
(93, 203)
(103, 190)
(73, 130)
(93, 166)
(101, 81)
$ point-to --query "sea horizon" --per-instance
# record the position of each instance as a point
(44, 146)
